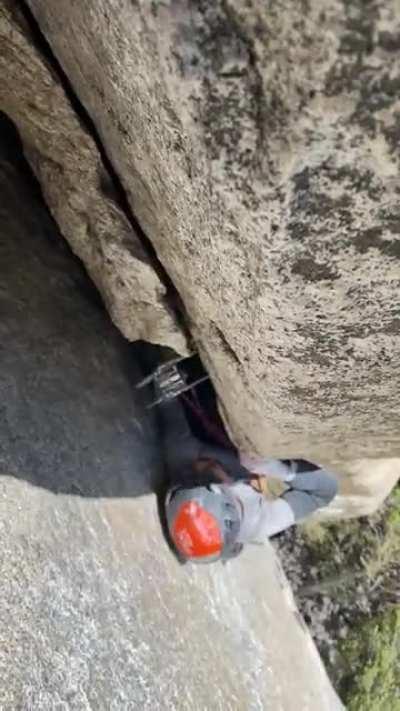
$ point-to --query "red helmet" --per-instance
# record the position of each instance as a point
(203, 523)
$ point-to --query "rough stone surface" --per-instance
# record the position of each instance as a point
(364, 486)
(69, 415)
(258, 146)
(95, 613)
(78, 187)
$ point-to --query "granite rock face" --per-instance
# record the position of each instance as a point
(78, 187)
(70, 418)
(258, 147)
(95, 612)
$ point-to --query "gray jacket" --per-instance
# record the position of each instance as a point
(308, 490)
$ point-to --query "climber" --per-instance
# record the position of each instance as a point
(215, 504)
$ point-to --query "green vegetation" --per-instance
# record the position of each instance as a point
(372, 652)
(363, 550)
(372, 658)
(386, 550)
(358, 568)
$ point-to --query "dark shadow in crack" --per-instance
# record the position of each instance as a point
(71, 420)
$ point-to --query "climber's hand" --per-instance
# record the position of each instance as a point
(269, 486)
